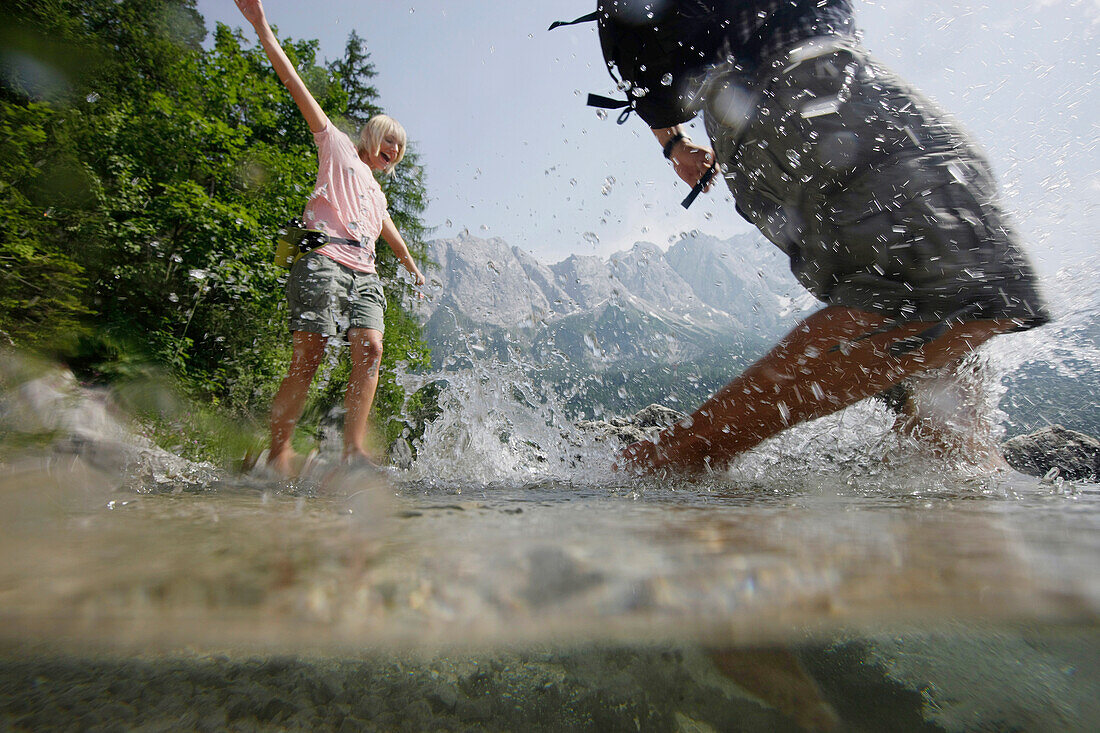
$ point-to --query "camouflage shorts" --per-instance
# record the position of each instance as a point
(880, 201)
(329, 298)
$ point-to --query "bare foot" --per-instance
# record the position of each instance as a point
(360, 458)
(289, 464)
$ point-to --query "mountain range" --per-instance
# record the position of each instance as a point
(649, 325)
(702, 297)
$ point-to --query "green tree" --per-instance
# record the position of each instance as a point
(42, 287)
(143, 184)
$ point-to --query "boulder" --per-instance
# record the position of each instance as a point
(1073, 455)
(642, 425)
(45, 409)
(401, 454)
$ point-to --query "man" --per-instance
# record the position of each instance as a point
(886, 210)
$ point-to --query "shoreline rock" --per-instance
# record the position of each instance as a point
(642, 425)
(53, 416)
(1055, 451)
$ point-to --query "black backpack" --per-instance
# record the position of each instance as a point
(651, 43)
(648, 48)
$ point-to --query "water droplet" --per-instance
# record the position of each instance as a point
(173, 297)
(92, 98)
(593, 344)
(819, 107)
(666, 80)
(591, 238)
(601, 114)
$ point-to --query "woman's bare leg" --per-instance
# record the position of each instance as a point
(366, 360)
(291, 398)
(826, 363)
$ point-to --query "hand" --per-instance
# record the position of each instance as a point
(418, 282)
(252, 10)
(691, 161)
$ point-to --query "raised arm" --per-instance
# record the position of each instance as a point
(253, 11)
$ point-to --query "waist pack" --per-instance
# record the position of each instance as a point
(295, 240)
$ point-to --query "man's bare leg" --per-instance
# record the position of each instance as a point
(366, 360)
(291, 398)
(949, 411)
(826, 363)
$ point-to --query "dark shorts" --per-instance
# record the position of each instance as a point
(327, 297)
(880, 201)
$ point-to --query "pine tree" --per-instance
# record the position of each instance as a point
(355, 72)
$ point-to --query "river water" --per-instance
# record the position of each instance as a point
(835, 578)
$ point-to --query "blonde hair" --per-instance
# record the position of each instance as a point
(376, 130)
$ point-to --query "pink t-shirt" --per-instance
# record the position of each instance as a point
(347, 202)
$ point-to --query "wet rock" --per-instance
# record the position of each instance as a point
(353, 725)
(642, 425)
(656, 416)
(555, 576)
(401, 454)
(443, 696)
(1076, 456)
(684, 724)
(50, 410)
(475, 710)
(963, 677)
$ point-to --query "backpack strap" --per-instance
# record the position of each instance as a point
(596, 100)
(594, 15)
(626, 105)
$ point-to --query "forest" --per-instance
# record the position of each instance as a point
(146, 170)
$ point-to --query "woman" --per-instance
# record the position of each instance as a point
(337, 284)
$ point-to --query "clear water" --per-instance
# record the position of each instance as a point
(835, 578)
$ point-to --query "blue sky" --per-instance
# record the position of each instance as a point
(495, 106)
